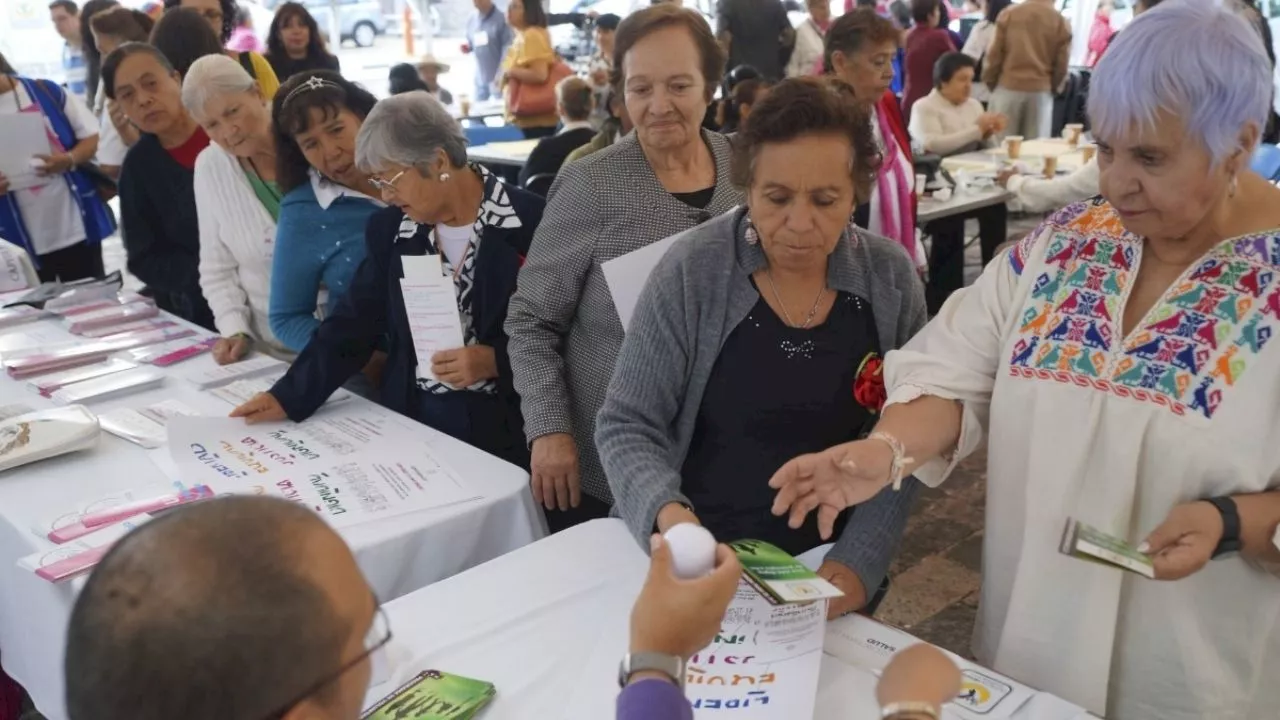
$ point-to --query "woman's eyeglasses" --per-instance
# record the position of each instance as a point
(385, 185)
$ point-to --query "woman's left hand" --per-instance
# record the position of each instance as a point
(855, 596)
(55, 164)
(1185, 541)
(466, 366)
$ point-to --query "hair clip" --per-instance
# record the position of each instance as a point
(312, 83)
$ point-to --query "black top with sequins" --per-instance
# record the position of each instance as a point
(775, 392)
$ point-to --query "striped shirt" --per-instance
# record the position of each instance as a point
(74, 71)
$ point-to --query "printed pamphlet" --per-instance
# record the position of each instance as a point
(779, 577)
(434, 695)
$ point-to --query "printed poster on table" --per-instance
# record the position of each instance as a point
(764, 663)
(350, 467)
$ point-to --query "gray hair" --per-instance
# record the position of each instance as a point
(211, 76)
(409, 129)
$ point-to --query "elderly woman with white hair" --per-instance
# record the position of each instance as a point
(1123, 356)
(480, 229)
(237, 203)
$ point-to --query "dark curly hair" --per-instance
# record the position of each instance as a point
(855, 30)
(804, 106)
(291, 115)
(276, 53)
(229, 9)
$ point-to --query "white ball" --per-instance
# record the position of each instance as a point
(693, 550)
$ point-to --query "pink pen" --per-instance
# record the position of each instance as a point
(71, 566)
(150, 505)
(187, 352)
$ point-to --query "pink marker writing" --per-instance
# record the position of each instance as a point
(149, 505)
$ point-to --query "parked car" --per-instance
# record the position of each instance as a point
(360, 21)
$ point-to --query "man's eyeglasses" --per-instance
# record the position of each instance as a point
(375, 639)
(385, 185)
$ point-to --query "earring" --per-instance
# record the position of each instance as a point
(444, 177)
(752, 235)
(1233, 186)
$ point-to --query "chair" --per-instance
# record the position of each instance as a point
(483, 134)
(1266, 162)
(540, 184)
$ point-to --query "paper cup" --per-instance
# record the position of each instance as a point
(921, 181)
(1050, 166)
(464, 105)
(1013, 145)
(1071, 133)
(1088, 151)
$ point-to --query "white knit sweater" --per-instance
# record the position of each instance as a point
(237, 240)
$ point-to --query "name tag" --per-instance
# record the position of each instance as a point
(480, 39)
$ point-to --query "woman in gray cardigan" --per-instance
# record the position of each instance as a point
(667, 176)
(759, 336)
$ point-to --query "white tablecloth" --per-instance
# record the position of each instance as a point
(548, 624)
(398, 555)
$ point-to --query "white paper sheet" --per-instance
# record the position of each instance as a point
(764, 663)
(351, 465)
(24, 138)
(144, 426)
(627, 274)
(432, 306)
(249, 367)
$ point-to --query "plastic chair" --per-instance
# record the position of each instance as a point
(1266, 162)
(483, 135)
(540, 184)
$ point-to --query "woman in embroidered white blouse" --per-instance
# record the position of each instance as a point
(238, 203)
(1122, 356)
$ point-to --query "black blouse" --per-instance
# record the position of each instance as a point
(775, 392)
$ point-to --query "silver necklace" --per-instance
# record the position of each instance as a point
(813, 311)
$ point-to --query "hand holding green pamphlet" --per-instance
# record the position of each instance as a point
(433, 695)
(780, 578)
(1089, 543)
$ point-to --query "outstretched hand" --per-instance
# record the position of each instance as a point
(830, 481)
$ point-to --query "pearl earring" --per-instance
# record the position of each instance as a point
(444, 177)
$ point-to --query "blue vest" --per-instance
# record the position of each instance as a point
(98, 222)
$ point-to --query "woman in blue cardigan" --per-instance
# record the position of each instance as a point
(327, 200)
(442, 205)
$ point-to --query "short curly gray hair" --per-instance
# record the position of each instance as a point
(409, 129)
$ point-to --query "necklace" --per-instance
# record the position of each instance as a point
(813, 311)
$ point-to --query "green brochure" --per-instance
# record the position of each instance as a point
(780, 578)
(433, 695)
(1086, 542)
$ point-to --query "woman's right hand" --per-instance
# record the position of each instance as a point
(830, 481)
(263, 407)
(231, 349)
(554, 472)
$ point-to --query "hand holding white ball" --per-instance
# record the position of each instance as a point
(693, 550)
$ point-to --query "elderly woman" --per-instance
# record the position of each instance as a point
(54, 212)
(327, 202)
(480, 229)
(237, 201)
(664, 178)
(157, 180)
(860, 49)
(1121, 355)
(759, 337)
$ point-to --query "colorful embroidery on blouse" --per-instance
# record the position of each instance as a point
(1194, 343)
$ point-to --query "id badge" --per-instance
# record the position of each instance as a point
(480, 39)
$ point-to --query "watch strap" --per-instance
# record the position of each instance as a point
(669, 665)
(1230, 541)
(896, 710)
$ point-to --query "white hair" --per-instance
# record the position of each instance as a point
(409, 129)
(209, 77)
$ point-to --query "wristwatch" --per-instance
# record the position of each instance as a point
(896, 710)
(669, 665)
(1230, 541)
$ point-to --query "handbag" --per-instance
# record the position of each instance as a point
(530, 100)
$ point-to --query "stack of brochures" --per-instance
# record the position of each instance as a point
(434, 695)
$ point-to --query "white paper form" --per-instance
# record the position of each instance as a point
(627, 274)
(432, 307)
(24, 138)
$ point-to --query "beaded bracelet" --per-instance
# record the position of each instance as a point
(900, 460)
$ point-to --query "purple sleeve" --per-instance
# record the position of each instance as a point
(653, 700)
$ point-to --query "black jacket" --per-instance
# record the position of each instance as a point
(372, 316)
(161, 235)
(550, 153)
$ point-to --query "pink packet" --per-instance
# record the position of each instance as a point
(112, 316)
(185, 353)
(110, 330)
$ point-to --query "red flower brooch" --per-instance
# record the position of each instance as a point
(868, 383)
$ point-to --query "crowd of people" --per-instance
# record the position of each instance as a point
(787, 374)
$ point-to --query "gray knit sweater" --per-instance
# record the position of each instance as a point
(696, 296)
